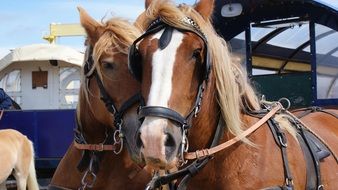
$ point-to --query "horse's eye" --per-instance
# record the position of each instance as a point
(197, 53)
(107, 65)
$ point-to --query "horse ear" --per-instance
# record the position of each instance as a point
(91, 26)
(205, 8)
(147, 3)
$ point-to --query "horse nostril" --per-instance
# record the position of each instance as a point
(169, 141)
(139, 142)
(170, 146)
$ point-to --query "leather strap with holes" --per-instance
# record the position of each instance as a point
(95, 147)
(208, 152)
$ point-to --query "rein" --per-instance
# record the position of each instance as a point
(208, 152)
(203, 156)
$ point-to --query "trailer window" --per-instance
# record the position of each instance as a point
(238, 48)
(279, 48)
(69, 86)
(11, 83)
(327, 62)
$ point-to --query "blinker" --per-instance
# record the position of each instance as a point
(165, 37)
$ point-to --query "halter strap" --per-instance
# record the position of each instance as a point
(227, 144)
(95, 147)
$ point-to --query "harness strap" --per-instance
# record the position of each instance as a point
(281, 141)
(192, 169)
(201, 164)
(164, 112)
(55, 187)
(247, 132)
(311, 174)
(105, 96)
(314, 158)
(314, 109)
(318, 137)
(95, 147)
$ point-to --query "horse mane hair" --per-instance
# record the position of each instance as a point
(118, 33)
(233, 89)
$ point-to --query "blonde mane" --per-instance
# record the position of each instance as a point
(233, 90)
(118, 34)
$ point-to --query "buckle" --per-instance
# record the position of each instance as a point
(100, 147)
(289, 182)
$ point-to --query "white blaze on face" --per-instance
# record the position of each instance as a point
(162, 70)
(152, 128)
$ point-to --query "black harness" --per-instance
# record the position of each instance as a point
(314, 150)
(90, 160)
(158, 111)
(184, 122)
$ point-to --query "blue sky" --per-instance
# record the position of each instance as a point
(25, 22)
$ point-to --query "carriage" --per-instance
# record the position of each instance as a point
(287, 47)
(43, 81)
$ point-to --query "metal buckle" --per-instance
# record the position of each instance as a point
(196, 111)
(282, 142)
(100, 147)
(289, 182)
(184, 148)
(320, 187)
(85, 183)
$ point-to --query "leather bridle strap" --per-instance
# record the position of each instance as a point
(315, 134)
(163, 112)
(95, 147)
(207, 152)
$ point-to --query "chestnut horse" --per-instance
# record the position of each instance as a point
(17, 158)
(188, 83)
(107, 103)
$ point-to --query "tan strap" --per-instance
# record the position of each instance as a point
(250, 130)
(1, 113)
(95, 147)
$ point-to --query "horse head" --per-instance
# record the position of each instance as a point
(172, 60)
(108, 93)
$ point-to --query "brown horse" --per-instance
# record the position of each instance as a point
(17, 158)
(106, 101)
(188, 83)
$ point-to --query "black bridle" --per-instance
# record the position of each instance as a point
(135, 68)
(185, 122)
(90, 159)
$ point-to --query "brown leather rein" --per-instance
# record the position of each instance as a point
(210, 151)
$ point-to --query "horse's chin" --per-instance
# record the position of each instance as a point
(157, 164)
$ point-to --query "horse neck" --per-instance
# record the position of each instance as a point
(207, 119)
